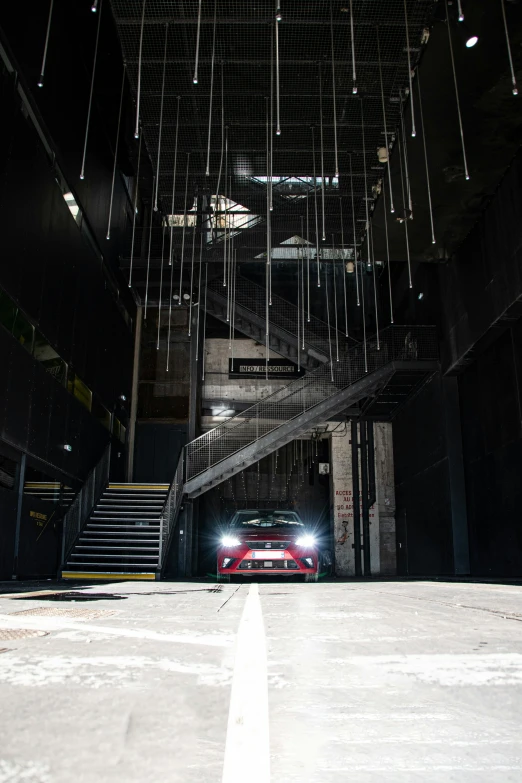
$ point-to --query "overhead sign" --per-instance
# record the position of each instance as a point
(257, 368)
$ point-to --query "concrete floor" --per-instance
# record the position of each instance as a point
(383, 681)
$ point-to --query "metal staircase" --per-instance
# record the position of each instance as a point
(273, 422)
(122, 536)
(307, 343)
(128, 528)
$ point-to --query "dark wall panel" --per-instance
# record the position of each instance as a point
(424, 536)
(158, 447)
(484, 278)
(7, 532)
(491, 403)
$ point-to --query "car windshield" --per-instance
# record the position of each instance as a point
(256, 519)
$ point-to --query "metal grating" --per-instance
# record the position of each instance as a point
(243, 52)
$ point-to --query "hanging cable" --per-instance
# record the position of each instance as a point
(392, 208)
(108, 235)
(298, 309)
(161, 118)
(183, 233)
(302, 284)
(44, 59)
(367, 237)
(344, 267)
(196, 64)
(192, 276)
(316, 218)
(461, 15)
(405, 219)
(207, 171)
(466, 172)
(328, 320)
(203, 358)
(433, 240)
(406, 167)
(278, 118)
(161, 284)
(333, 93)
(171, 230)
(365, 185)
(334, 271)
(413, 131)
(138, 92)
(218, 195)
(354, 236)
(148, 255)
(173, 191)
(388, 254)
(268, 249)
(225, 236)
(375, 288)
(270, 172)
(513, 78)
(135, 212)
(322, 146)
(200, 291)
(82, 172)
(308, 255)
(234, 277)
(354, 76)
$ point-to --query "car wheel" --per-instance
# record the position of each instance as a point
(311, 577)
(223, 577)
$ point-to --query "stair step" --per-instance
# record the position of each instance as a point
(145, 528)
(103, 566)
(117, 548)
(130, 508)
(124, 557)
(87, 540)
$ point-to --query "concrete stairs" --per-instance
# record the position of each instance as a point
(122, 537)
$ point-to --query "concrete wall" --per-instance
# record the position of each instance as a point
(382, 513)
(218, 386)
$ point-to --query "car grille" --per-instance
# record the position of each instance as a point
(268, 544)
(277, 565)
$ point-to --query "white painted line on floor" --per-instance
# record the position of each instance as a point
(247, 749)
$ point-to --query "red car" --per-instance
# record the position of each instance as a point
(261, 543)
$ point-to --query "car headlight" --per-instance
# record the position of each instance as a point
(305, 541)
(230, 541)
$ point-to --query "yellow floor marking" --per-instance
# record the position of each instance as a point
(106, 576)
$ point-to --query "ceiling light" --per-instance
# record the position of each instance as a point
(279, 16)
(67, 447)
(94, 6)
(350, 267)
(420, 296)
(186, 297)
(176, 297)
(472, 40)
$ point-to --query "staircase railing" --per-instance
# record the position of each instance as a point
(406, 343)
(285, 315)
(79, 512)
(170, 510)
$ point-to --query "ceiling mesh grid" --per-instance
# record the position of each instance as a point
(244, 57)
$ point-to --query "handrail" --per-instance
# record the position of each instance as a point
(85, 500)
(169, 512)
(412, 343)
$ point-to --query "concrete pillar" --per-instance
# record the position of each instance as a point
(385, 485)
(382, 513)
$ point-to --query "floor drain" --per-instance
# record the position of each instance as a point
(58, 611)
(9, 634)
